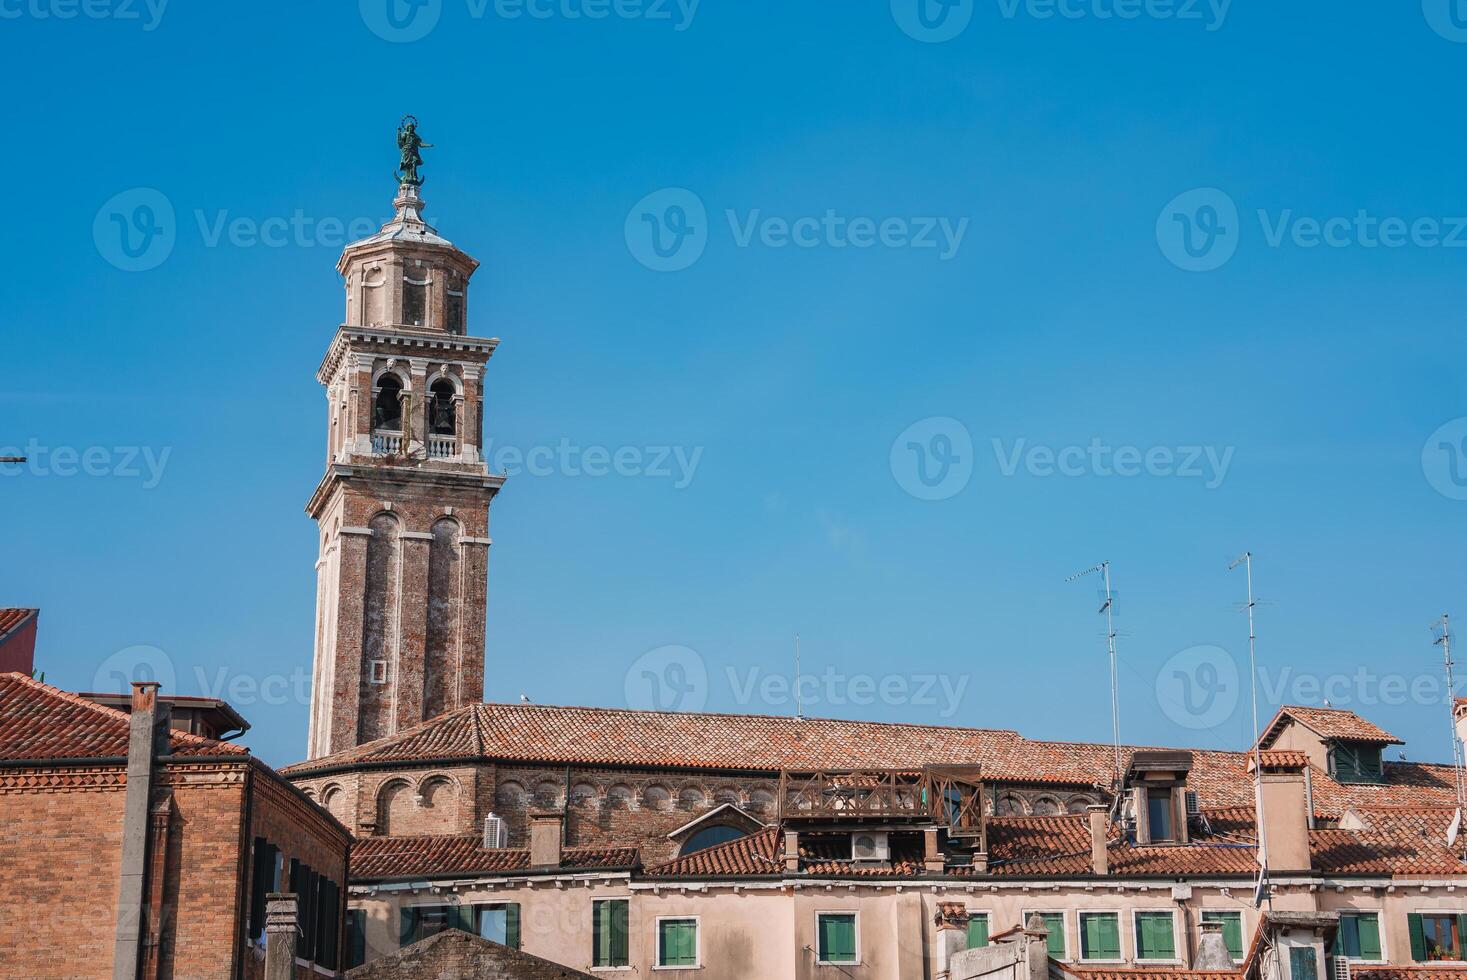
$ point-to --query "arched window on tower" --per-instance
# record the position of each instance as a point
(414, 300)
(442, 425)
(387, 416)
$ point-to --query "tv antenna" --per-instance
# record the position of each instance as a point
(799, 705)
(1107, 609)
(1263, 891)
(1444, 640)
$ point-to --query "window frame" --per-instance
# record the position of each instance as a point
(855, 917)
(1136, 914)
(1379, 913)
(697, 921)
(1242, 931)
(1064, 928)
(627, 966)
(1115, 914)
(1424, 914)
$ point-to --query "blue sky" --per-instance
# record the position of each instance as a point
(1218, 248)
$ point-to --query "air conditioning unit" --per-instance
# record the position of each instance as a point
(496, 833)
(1194, 807)
(870, 847)
(1339, 968)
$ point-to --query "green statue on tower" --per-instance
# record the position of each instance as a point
(410, 145)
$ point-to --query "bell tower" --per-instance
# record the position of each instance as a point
(403, 508)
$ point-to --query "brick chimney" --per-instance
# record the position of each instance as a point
(547, 833)
(952, 935)
(281, 916)
(1099, 826)
(1285, 802)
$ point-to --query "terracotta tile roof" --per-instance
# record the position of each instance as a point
(1149, 973)
(457, 856)
(1280, 759)
(1435, 972)
(10, 619)
(1398, 841)
(543, 733)
(40, 722)
(1328, 723)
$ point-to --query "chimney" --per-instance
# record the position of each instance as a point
(1212, 950)
(933, 861)
(547, 833)
(1099, 827)
(791, 851)
(952, 935)
(142, 748)
(280, 936)
(1285, 809)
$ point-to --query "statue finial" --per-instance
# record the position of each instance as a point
(410, 144)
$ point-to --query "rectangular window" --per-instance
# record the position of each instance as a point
(1232, 930)
(1055, 923)
(453, 312)
(1154, 936)
(328, 901)
(499, 924)
(609, 919)
(1435, 936)
(421, 921)
(677, 942)
(1100, 936)
(977, 930)
(837, 937)
(414, 302)
(1356, 763)
(1359, 936)
(1303, 964)
(1159, 815)
(356, 937)
(264, 869)
(378, 672)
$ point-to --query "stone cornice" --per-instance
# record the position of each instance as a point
(406, 342)
(387, 477)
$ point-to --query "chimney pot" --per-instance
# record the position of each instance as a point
(144, 695)
(547, 834)
(1099, 827)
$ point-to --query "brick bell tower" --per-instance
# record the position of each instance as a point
(403, 509)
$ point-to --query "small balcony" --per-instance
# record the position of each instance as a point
(949, 796)
(442, 447)
(387, 443)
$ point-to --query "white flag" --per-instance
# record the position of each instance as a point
(1455, 828)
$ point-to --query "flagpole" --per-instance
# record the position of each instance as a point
(1263, 891)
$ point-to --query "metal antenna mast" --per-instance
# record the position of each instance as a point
(1246, 560)
(799, 705)
(1445, 642)
(1108, 609)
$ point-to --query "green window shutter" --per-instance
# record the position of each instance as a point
(1418, 937)
(1055, 923)
(620, 950)
(1347, 940)
(1368, 927)
(609, 935)
(677, 942)
(356, 938)
(408, 927)
(1110, 935)
(977, 931)
(461, 917)
(512, 926)
(1154, 939)
(1100, 936)
(837, 938)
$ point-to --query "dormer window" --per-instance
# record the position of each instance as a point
(1157, 786)
(1356, 762)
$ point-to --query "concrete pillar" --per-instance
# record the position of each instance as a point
(281, 936)
(1035, 965)
(147, 738)
(547, 833)
(1099, 827)
(952, 936)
